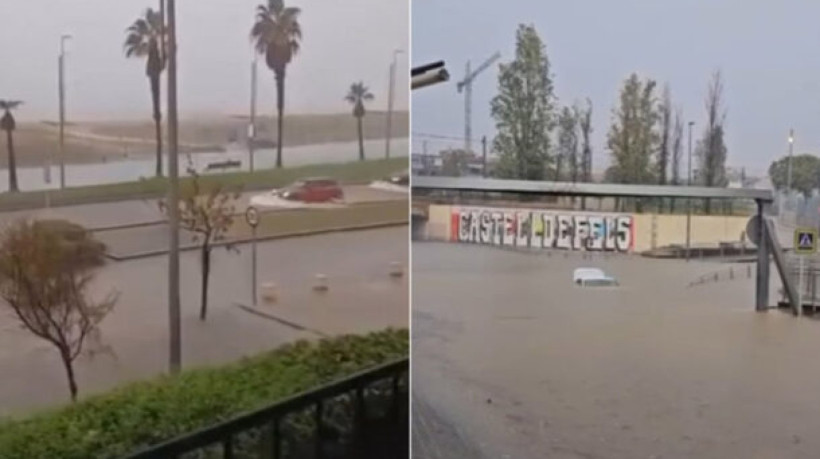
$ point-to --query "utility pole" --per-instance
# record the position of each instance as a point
(425, 169)
(252, 125)
(789, 176)
(484, 155)
(61, 83)
(689, 200)
(466, 85)
(468, 110)
(175, 357)
(391, 90)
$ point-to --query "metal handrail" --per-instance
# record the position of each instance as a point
(224, 431)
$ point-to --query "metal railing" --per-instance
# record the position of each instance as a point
(733, 272)
(363, 416)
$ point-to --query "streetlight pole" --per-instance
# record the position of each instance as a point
(484, 156)
(689, 200)
(391, 90)
(175, 343)
(61, 78)
(252, 125)
(789, 176)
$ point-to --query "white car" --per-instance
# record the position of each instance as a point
(592, 277)
(398, 183)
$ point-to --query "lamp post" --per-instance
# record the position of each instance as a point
(175, 344)
(391, 90)
(61, 88)
(689, 200)
(252, 125)
(789, 174)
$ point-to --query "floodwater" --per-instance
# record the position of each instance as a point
(362, 297)
(136, 166)
(510, 360)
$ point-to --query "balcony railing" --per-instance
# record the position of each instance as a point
(363, 416)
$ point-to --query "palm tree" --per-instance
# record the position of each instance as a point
(8, 124)
(145, 39)
(358, 95)
(277, 34)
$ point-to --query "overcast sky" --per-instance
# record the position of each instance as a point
(343, 42)
(769, 53)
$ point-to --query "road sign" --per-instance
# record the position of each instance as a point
(805, 241)
(753, 230)
(252, 216)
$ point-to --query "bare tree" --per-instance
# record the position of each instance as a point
(711, 150)
(568, 145)
(207, 211)
(665, 118)
(46, 268)
(584, 116)
(677, 151)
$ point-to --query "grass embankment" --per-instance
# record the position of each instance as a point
(301, 129)
(95, 141)
(157, 187)
(147, 413)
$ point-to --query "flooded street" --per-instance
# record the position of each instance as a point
(512, 360)
(362, 298)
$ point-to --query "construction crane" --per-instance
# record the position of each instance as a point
(467, 86)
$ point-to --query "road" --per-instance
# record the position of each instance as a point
(362, 297)
(510, 360)
(109, 214)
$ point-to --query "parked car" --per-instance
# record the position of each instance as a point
(312, 190)
(592, 277)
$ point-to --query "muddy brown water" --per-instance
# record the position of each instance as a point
(512, 360)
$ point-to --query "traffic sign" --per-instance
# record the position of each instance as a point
(805, 241)
(753, 230)
(252, 216)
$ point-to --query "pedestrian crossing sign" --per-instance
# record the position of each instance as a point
(805, 240)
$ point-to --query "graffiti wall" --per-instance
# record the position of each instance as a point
(543, 229)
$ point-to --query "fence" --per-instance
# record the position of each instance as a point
(732, 272)
(809, 285)
(363, 416)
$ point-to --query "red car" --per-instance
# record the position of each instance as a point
(313, 190)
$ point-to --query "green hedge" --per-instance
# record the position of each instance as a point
(149, 412)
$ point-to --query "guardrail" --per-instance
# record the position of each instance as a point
(363, 416)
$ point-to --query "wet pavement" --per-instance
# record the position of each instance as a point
(511, 359)
(362, 297)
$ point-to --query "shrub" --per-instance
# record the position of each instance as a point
(149, 412)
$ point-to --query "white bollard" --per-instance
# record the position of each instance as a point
(321, 283)
(270, 293)
(396, 269)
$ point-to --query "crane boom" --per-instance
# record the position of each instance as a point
(467, 86)
(470, 76)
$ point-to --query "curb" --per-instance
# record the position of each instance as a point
(306, 233)
(285, 322)
(125, 226)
